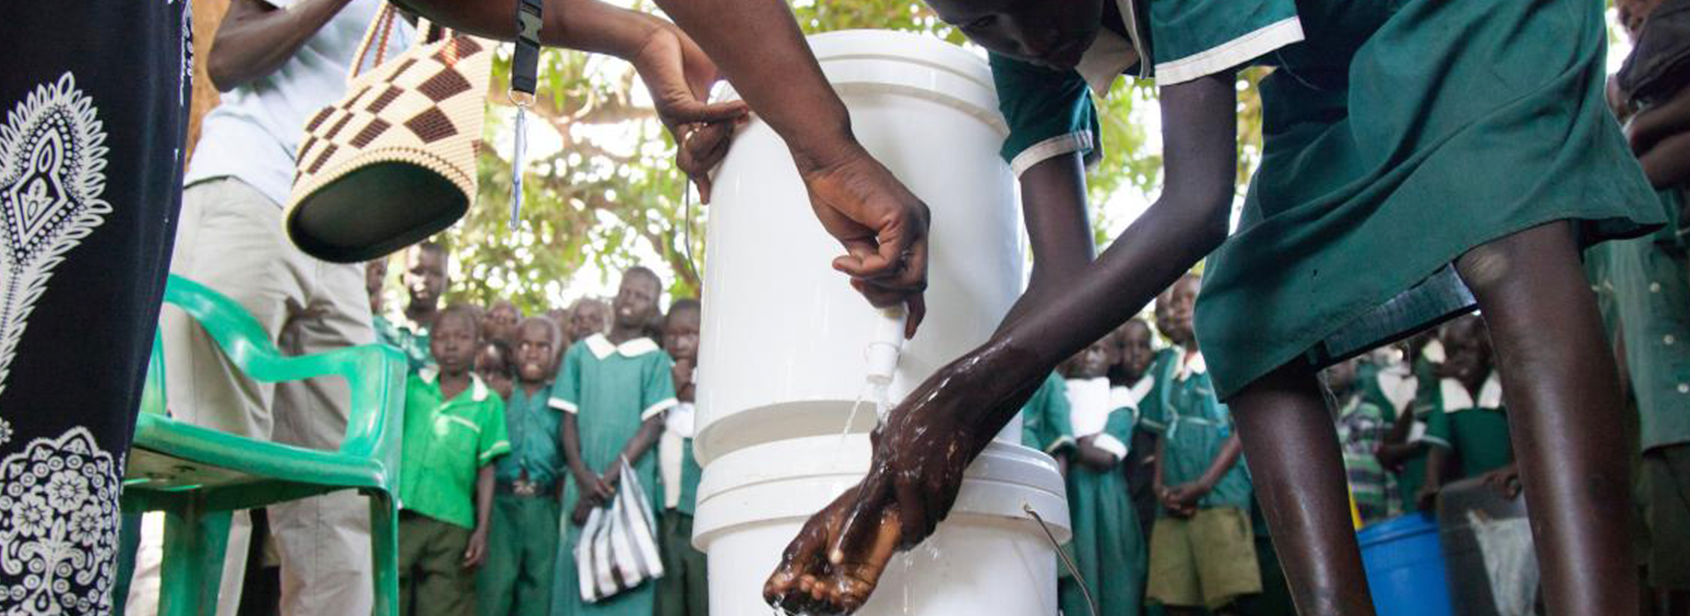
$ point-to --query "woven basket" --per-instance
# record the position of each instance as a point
(393, 162)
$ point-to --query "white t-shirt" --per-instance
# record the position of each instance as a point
(253, 133)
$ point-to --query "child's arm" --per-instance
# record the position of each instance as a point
(1667, 164)
(1188, 494)
(1427, 498)
(1089, 455)
(1053, 201)
(476, 553)
(594, 490)
(643, 440)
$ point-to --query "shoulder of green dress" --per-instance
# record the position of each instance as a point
(1197, 38)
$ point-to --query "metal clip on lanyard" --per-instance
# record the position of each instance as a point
(525, 75)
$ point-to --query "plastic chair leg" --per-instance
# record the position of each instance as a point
(194, 544)
(384, 552)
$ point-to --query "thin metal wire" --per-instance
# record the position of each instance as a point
(686, 224)
(1091, 604)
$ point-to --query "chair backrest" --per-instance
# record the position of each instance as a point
(374, 373)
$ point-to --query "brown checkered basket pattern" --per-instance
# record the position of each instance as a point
(418, 114)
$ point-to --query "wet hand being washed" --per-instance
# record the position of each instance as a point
(920, 454)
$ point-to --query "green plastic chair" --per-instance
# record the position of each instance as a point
(199, 476)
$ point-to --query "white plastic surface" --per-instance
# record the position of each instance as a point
(782, 353)
(988, 557)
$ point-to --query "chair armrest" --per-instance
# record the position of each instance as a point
(374, 373)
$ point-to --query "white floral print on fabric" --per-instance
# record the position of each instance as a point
(5, 431)
(58, 527)
(52, 175)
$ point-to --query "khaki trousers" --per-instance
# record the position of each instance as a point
(230, 238)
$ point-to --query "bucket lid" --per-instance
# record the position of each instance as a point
(883, 61)
(793, 479)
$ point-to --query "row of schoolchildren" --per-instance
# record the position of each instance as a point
(1163, 512)
(515, 429)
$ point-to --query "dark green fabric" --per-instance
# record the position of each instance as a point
(691, 473)
(432, 577)
(1184, 31)
(1667, 475)
(1041, 104)
(1044, 419)
(1477, 436)
(1646, 285)
(1387, 125)
(1108, 547)
(412, 342)
(684, 589)
(516, 580)
(532, 426)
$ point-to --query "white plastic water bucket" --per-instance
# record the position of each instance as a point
(988, 556)
(784, 337)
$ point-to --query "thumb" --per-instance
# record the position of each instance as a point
(685, 108)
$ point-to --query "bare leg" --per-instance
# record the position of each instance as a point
(1299, 477)
(1562, 392)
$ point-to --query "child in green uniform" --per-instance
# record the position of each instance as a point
(1470, 424)
(425, 279)
(613, 390)
(1403, 452)
(522, 545)
(1131, 381)
(1202, 549)
(684, 589)
(1108, 546)
(1044, 421)
(1361, 429)
(1406, 175)
(454, 428)
(1649, 292)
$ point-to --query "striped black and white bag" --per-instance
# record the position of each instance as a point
(618, 546)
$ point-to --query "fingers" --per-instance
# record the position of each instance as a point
(860, 576)
(797, 585)
(682, 107)
(916, 307)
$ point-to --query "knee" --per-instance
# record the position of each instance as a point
(1486, 266)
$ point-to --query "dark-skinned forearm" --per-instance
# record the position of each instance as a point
(569, 432)
(255, 38)
(646, 438)
(586, 25)
(1667, 164)
(1187, 222)
(483, 496)
(773, 70)
(1053, 200)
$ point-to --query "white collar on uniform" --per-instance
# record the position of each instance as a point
(478, 390)
(602, 347)
(1398, 384)
(1129, 397)
(1110, 55)
(1457, 398)
(1193, 364)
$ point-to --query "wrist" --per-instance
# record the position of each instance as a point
(828, 144)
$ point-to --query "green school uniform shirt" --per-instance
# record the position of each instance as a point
(1150, 414)
(533, 426)
(691, 473)
(1197, 424)
(446, 442)
(1476, 431)
(413, 342)
(1643, 285)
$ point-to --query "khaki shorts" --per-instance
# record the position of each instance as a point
(1666, 507)
(1208, 560)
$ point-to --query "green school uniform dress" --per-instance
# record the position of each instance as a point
(1643, 287)
(413, 342)
(1108, 546)
(1475, 430)
(611, 389)
(1197, 423)
(445, 443)
(522, 545)
(1044, 419)
(1378, 125)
